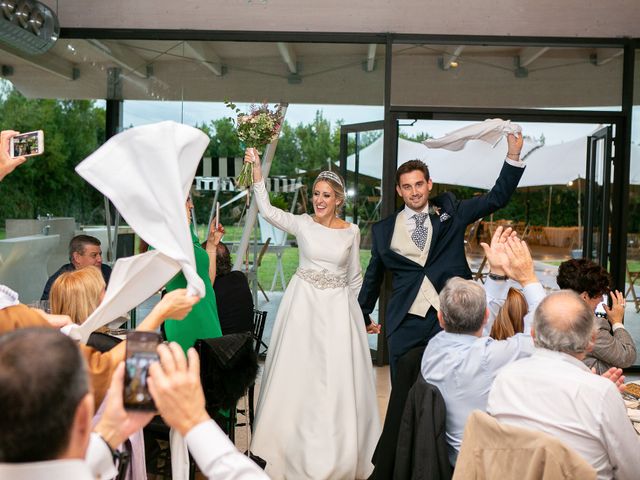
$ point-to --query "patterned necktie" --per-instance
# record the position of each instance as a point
(419, 235)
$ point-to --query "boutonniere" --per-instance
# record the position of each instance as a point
(434, 210)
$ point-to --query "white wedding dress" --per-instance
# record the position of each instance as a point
(317, 415)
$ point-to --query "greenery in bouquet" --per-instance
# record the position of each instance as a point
(256, 129)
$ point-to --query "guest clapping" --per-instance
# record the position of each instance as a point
(614, 346)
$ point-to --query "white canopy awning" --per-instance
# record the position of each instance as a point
(478, 164)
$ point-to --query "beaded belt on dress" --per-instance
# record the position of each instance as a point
(322, 279)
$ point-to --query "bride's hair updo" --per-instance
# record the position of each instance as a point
(336, 183)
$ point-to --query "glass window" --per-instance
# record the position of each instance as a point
(632, 287)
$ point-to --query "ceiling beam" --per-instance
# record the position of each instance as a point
(452, 57)
(123, 56)
(605, 55)
(288, 56)
(206, 56)
(48, 62)
(371, 57)
(528, 55)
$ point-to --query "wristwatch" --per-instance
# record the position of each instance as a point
(494, 276)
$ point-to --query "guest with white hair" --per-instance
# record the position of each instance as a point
(462, 361)
(554, 392)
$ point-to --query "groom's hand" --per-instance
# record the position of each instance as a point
(373, 328)
(515, 143)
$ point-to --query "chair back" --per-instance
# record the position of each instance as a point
(259, 320)
(491, 449)
(228, 366)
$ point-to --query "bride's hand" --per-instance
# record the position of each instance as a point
(251, 155)
(373, 328)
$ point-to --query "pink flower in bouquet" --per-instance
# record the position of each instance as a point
(256, 129)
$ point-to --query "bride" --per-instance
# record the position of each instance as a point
(317, 415)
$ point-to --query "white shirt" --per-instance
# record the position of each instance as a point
(217, 457)
(411, 222)
(463, 368)
(214, 453)
(557, 394)
(50, 470)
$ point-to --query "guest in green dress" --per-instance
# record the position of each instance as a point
(203, 320)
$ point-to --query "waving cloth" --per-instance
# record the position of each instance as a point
(147, 172)
(490, 131)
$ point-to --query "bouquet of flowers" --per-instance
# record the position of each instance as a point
(256, 129)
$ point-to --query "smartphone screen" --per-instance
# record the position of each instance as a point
(141, 353)
(600, 311)
(27, 144)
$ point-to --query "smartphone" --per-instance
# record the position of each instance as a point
(27, 144)
(600, 311)
(141, 353)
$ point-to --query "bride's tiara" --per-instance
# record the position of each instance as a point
(331, 176)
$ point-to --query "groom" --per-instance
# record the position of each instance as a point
(422, 245)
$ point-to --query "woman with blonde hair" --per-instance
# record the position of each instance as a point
(77, 293)
(510, 318)
(317, 414)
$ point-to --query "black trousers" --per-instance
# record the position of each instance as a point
(414, 331)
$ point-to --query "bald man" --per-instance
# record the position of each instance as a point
(553, 391)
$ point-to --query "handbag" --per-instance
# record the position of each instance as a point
(228, 366)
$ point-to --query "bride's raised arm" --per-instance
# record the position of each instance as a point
(278, 218)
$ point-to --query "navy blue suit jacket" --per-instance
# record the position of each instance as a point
(446, 253)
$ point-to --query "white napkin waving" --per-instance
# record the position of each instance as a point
(133, 280)
(8, 298)
(491, 131)
(147, 172)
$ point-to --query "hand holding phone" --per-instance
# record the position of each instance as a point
(141, 353)
(615, 307)
(27, 144)
(8, 163)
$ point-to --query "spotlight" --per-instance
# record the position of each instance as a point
(8, 7)
(36, 20)
(28, 25)
(23, 12)
(453, 64)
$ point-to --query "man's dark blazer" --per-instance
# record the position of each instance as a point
(446, 253)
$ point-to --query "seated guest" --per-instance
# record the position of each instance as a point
(460, 361)
(48, 434)
(554, 392)
(83, 252)
(77, 293)
(233, 296)
(510, 319)
(505, 266)
(614, 346)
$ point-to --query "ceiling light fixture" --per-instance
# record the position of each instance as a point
(28, 25)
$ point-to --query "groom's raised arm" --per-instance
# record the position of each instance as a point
(370, 290)
(474, 208)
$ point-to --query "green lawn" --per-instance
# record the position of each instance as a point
(290, 263)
